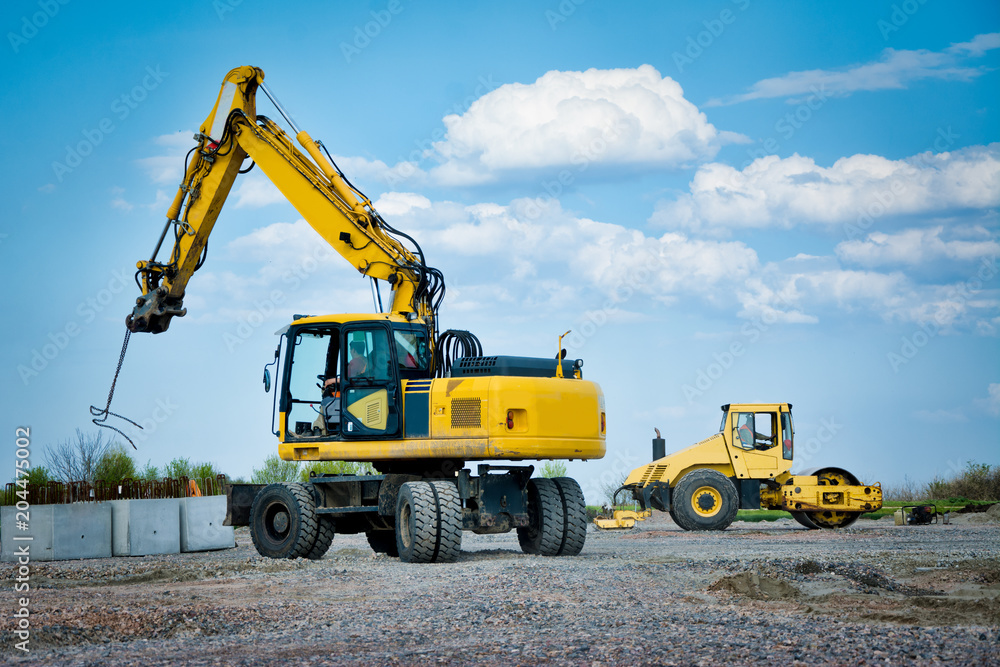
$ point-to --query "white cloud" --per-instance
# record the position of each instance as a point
(118, 201)
(913, 247)
(535, 259)
(168, 168)
(896, 69)
(574, 119)
(255, 190)
(979, 45)
(992, 402)
(785, 192)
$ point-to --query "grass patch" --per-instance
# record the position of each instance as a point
(762, 515)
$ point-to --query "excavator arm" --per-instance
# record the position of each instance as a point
(341, 214)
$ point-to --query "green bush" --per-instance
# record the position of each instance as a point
(553, 469)
(333, 468)
(979, 481)
(274, 470)
(115, 465)
(181, 467)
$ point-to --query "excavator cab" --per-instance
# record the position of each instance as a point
(368, 361)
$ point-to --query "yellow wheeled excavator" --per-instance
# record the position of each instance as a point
(384, 388)
(747, 465)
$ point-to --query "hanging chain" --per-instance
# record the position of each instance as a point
(101, 416)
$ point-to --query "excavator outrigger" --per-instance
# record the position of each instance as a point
(392, 391)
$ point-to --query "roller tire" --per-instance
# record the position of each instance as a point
(574, 516)
(324, 538)
(826, 519)
(283, 522)
(383, 542)
(543, 535)
(714, 494)
(803, 519)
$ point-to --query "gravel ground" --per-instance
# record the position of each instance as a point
(875, 593)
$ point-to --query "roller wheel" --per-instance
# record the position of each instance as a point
(324, 538)
(803, 518)
(428, 522)
(828, 518)
(705, 499)
(383, 542)
(283, 521)
(546, 519)
(574, 516)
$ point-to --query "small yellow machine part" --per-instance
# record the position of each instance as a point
(622, 519)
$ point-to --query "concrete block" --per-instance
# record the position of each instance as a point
(81, 530)
(201, 524)
(39, 530)
(145, 527)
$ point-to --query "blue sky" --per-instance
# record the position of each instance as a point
(728, 201)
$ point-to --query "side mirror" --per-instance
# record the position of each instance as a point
(267, 380)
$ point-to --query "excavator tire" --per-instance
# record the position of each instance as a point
(449, 521)
(324, 538)
(546, 519)
(383, 542)
(574, 516)
(283, 521)
(705, 499)
(428, 522)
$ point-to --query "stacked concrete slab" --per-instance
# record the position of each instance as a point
(145, 527)
(58, 532)
(201, 524)
(119, 527)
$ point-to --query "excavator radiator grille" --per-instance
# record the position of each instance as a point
(653, 474)
(466, 413)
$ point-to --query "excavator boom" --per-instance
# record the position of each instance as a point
(343, 216)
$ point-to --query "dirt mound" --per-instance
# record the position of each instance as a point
(755, 587)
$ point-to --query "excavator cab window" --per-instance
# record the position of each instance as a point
(370, 396)
(310, 367)
(413, 357)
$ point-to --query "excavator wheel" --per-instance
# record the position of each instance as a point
(283, 521)
(574, 516)
(324, 538)
(546, 519)
(828, 518)
(704, 499)
(383, 542)
(428, 522)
